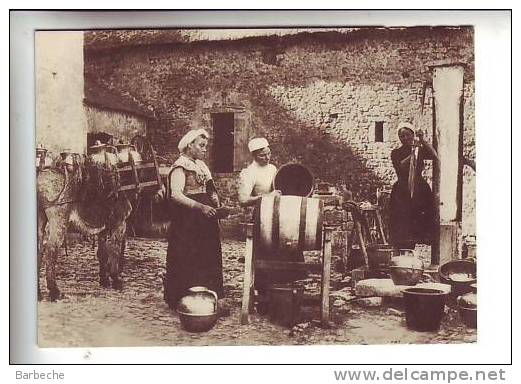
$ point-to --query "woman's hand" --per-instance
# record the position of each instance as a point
(208, 211)
(276, 192)
(426, 145)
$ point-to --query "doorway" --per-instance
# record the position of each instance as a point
(223, 142)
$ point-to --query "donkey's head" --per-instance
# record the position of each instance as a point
(100, 181)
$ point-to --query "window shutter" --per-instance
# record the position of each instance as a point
(242, 135)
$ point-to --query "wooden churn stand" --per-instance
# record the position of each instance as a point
(298, 226)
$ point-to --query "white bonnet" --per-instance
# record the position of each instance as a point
(404, 125)
(190, 137)
(258, 143)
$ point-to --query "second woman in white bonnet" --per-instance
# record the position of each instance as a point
(412, 201)
(194, 256)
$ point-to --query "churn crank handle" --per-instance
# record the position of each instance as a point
(248, 276)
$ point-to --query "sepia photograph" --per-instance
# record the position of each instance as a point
(259, 186)
(284, 187)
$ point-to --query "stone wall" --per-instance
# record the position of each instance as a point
(315, 96)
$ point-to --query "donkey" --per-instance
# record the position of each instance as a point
(84, 195)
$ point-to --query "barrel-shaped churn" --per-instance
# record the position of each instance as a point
(288, 225)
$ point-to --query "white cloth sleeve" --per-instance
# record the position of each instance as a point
(246, 185)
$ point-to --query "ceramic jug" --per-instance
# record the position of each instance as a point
(198, 301)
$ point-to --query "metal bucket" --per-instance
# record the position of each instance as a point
(424, 308)
(379, 256)
(285, 303)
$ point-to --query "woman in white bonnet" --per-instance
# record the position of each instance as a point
(256, 180)
(412, 201)
(194, 256)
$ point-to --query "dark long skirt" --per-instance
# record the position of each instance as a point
(194, 256)
(411, 220)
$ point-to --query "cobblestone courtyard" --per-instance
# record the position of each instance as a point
(91, 316)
